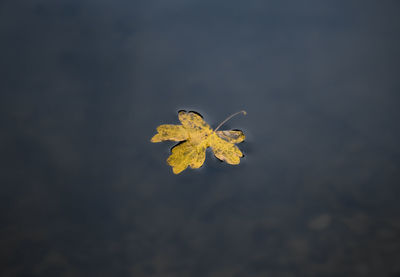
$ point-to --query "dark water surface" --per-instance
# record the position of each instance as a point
(84, 84)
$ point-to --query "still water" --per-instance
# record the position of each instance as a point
(85, 193)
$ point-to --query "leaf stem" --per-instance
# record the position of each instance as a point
(229, 117)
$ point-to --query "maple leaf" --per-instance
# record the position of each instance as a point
(195, 136)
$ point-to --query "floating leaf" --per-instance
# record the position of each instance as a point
(195, 136)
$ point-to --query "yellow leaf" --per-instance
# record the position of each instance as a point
(195, 136)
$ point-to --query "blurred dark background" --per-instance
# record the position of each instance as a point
(85, 83)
